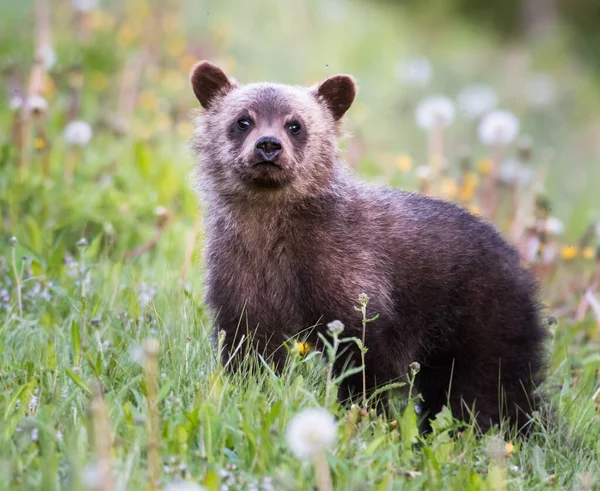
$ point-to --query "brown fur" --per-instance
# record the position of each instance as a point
(293, 243)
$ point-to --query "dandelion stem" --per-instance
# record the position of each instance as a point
(13, 243)
(322, 473)
(151, 349)
(102, 440)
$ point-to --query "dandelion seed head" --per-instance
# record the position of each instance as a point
(435, 111)
(554, 226)
(183, 486)
(16, 101)
(37, 104)
(498, 128)
(78, 133)
(84, 5)
(414, 72)
(48, 55)
(310, 432)
(476, 100)
(423, 172)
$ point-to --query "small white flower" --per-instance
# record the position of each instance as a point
(37, 104)
(554, 226)
(310, 432)
(35, 434)
(183, 486)
(498, 128)
(541, 89)
(48, 55)
(513, 172)
(423, 172)
(15, 102)
(84, 5)
(476, 100)
(435, 110)
(78, 133)
(414, 72)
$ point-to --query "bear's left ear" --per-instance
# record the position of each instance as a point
(209, 82)
(337, 93)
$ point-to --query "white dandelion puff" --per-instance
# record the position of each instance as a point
(434, 111)
(78, 133)
(16, 101)
(414, 72)
(498, 128)
(48, 55)
(183, 486)
(554, 226)
(423, 172)
(513, 172)
(37, 104)
(476, 100)
(311, 432)
(84, 5)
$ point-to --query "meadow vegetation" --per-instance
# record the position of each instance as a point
(107, 376)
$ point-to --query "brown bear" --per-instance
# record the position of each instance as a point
(293, 239)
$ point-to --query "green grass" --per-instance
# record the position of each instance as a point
(87, 310)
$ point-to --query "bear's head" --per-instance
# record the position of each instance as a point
(266, 139)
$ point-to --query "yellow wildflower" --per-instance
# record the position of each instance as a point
(302, 348)
(39, 143)
(469, 184)
(508, 449)
(449, 188)
(404, 163)
(473, 208)
(485, 166)
(569, 252)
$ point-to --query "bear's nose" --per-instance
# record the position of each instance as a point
(268, 147)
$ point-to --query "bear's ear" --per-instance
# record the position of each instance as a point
(209, 82)
(337, 93)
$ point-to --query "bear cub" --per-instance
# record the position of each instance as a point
(292, 239)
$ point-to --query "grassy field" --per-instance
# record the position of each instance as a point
(107, 376)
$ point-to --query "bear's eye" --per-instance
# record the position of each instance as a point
(294, 127)
(243, 123)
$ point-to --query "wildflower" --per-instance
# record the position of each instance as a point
(569, 252)
(435, 111)
(485, 166)
(508, 449)
(513, 172)
(48, 55)
(13, 241)
(39, 143)
(554, 226)
(415, 368)
(423, 172)
(414, 72)
(541, 89)
(335, 327)
(311, 432)
(37, 104)
(588, 253)
(78, 133)
(84, 5)
(449, 188)
(33, 402)
(302, 348)
(35, 434)
(476, 100)
(363, 299)
(498, 128)
(15, 102)
(183, 486)
(146, 294)
(404, 163)
(82, 243)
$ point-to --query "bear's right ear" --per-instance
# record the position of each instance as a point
(209, 82)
